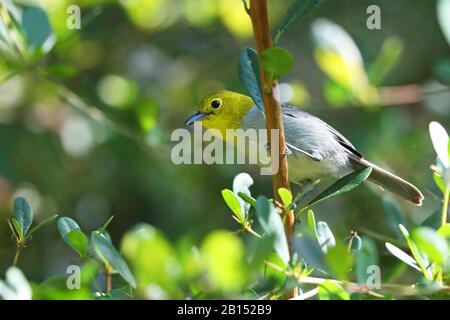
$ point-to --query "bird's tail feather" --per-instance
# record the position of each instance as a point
(390, 182)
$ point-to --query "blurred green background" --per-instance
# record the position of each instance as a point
(141, 67)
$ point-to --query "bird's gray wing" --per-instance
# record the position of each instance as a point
(292, 111)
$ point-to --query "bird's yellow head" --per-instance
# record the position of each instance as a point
(222, 110)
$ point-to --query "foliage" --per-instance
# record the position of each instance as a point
(54, 97)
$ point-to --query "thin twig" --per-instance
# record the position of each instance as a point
(246, 7)
(307, 294)
(398, 289)
(17, 255)
(353, 234)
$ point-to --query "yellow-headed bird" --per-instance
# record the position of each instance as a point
(316, 150)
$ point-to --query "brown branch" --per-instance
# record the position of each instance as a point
(108, 279)
(261, 31)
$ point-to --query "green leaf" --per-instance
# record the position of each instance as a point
(276, 62)
(310, 252)
(233, 203)
(250, 200)
(415, 252)
(439, 182)
(433, 220)
(106, 224)
(330, 290)
(78, 241)
(241, 184)
(23, 214)
(325, 237)
(65, 225)
(364, 258)
(271, 223)
(444, 231)
(431, 243)
(298, 9)
(388, 58)
(339, 260)
(393, 216)
(106, 252)
(286, 197)
(248, 72)
(17, 228)
(401, 255)
(150, 253)
(343, 185)
(441, 70)
(440, 140)
(223, 257)
(71, 233)
(312, 222)
(36, 26)
(336, 94)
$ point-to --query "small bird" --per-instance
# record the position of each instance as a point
(316, 151)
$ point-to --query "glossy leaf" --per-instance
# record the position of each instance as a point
(223, 257)
(440, 140)
(286, 197)
(36, 26)
(312, 222)
(439, 182)
(339, 261)
(387, 59)
(65, 225)
(443, 15)
(271, 223)
(108, 253)
(71, 233)
(403, 256)
(310, 252)
(345, 184)
(330, 290)
(23, 214)
(415, 252)
(241, 184)
(78, 241)
(248, 71)
(150, 253)
(444, 231)
(431, 243)
(442, 71)
(298, 9)
(233, 203)
(276, 62)
(325, 237)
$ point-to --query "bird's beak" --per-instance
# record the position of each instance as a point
(195, 117)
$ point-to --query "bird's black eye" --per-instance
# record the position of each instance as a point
(215, 104)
